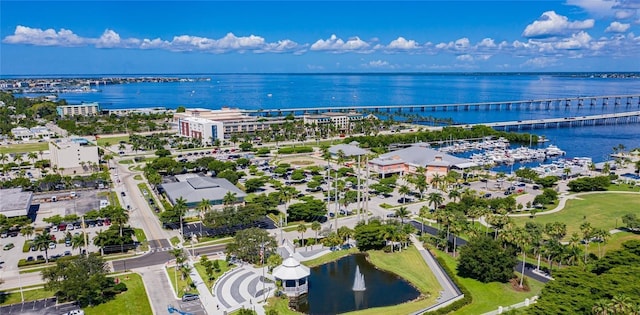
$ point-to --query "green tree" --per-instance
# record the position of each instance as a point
(402, 213)
(27, 231)
(77, 241)
(248, 244)
(435, 199)
(301, 229)
(316, 226)
(82, 279)
(180, 209)
(485, 260)
(41, 242)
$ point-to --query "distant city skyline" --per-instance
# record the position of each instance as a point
(121, 37)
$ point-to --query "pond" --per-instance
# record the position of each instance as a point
(331, 287)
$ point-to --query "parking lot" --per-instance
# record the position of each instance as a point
(84, 201)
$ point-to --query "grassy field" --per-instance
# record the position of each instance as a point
(29, 295)
(24, 147)
(183, 285)
(613, 243)
(137, 177)
(203, 274)
(280, 305)
(601, 210)
(102, 140)
(126, 162)
(624, 187)
(134, 301)
(409, 265)
(142, 238)
(488, 296)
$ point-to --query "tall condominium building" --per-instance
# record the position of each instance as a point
(84, 109)
(73, 156)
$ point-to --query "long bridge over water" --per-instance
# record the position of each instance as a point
(632, 100)
(592, 120)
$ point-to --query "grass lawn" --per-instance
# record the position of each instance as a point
(329, 257)
(134, 301)
(29, 295)
(623, 187)
(102, 140)
(183, 285)
(409, 265)
(203, 274)
(142, 238)
(488, 296)
(603, 211)
(613, 243)
(280, 305)
(137, 177)
(175, 241)
(113, 197)
(125, 162)
(25, 147)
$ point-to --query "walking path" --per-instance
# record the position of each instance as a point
(450, 292)
(243, 287)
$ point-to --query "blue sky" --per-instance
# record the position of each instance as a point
(123, 37)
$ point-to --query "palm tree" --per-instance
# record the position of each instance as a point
(32, 156)
(621, 304)
(204, 206)
(587, 234)
(301, 229)
(436, 180)
(18, 158)
(120, 217)
(77, 241)
(3, 158)
(404, 191)
(602, 307)
(454, 195)
(229, 198)
(390, 234)
(27, 231)
(424, 211)
(316, 226)
(523, 240)
(435, 199)
(402, 213)
(41, 242)
(180, 207)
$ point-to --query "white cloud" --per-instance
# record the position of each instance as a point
(617, 27)
(576, 41)
(336, 44)
(377, 64)
(401, 43)
(465, 57)
(552, 24)
(487, 42)
(540, 62)
(49, 37)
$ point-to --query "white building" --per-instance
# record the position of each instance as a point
(21, 133)
(84, 109)
(341, 121)
(42, 132)
(38, 132)
(200, 128)
(71, 154)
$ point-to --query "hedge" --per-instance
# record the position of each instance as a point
(295, 150)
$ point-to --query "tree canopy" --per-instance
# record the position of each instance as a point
(252, 244)
(485, 259)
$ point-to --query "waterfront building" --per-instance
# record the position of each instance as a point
(198, 123)
(348, 150)
(343, 122)
(141, 111)
(193, 188)
(84, 109)
(73, 156)
(15, 202)
(408, 160)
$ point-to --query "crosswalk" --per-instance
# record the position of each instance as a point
(160, 249)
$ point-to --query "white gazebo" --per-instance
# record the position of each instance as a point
(293, 276)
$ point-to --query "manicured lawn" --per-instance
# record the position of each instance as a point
(203, 274)
(112, 140)
(142, 238)
(183, 285)
(25, 147)
(624, 187)
(489, 296)
(329, 257)
(409, 265)
(281, 305)
(29, 295)
(125, 162)
(174, 240)
(134, 301)
(601, 210)
(137, 177)
(613, 243)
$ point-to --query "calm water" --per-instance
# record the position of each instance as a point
(330, 290)
(256, 91)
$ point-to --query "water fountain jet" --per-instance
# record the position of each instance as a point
(358, 281)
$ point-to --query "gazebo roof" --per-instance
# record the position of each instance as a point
(291, 269)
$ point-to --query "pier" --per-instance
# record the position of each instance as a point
(578, 121)
(627, 101)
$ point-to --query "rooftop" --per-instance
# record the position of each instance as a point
(351, 149)
(193, 188)
(291, 269)
(15, 202)
(420, 155)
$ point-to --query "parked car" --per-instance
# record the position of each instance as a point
(8, 246)
(30, 258)
(190, 297)
(52, 245)
(39, 257)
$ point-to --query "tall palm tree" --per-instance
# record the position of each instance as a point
(316, 226)
(404, 191)
(32, 156)
(41, 242)
(18, 158)
(204, 206)
(424, 211)
(229, 198)
(454, 195)
(402, 213)
(435, 199)
(77, 241)
(602, 307)
(120, 217)
(301, 229)
(4, 158)
(180, 207)
(523, 240)
(390, 234)
(27, 231)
